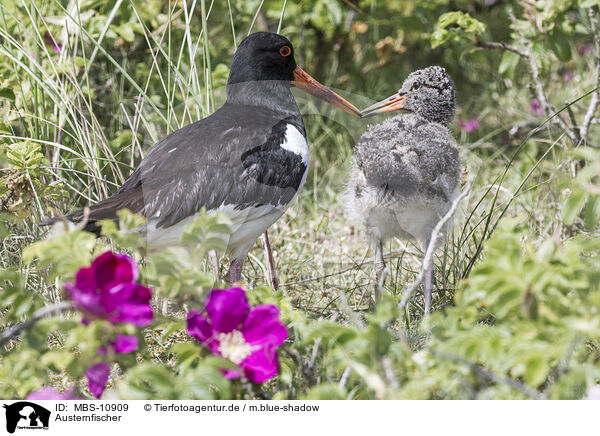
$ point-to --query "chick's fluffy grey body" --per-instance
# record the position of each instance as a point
(406, 171)
(403, 178)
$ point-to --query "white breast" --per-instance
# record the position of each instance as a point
(296, 143)
(248, 224)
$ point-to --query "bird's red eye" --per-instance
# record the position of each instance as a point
(285, 51)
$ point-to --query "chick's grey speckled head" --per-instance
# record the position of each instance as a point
(430, 93)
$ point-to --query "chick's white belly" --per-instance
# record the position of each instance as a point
(407, 220)
(409, 217)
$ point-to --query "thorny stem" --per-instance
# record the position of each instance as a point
(6, 198)
(486, 373)
(563, 365)
(14, 330)
(501, 45)
(571, 115)
(345, 376)
(538, 91)
(595, 101)
(541, 95)
(577, 134)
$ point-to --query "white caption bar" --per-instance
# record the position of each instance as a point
(306, 418)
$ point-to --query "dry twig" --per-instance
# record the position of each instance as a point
(595, 101)
(407, 294)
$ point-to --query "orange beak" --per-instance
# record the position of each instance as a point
(310, 85)
(390, 104)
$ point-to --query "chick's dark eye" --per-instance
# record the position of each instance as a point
(285, 51)
(415, 86)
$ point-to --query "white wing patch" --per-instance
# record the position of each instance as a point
(296, 143)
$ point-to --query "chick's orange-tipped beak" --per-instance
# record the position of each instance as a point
(390, 104)
(310, 85)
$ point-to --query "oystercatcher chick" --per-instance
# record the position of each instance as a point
(248, 160)
(406, 170)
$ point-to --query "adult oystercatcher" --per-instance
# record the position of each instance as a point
(248, 159)
(406, 170)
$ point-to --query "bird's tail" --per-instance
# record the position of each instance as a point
(131, 199)
(76, 218)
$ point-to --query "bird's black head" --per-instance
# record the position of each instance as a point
(263, 70)
(263, 56)
(428, 92)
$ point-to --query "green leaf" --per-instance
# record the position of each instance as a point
(559, 44)
(57, 359)
(334, 11)
(508, 64)
(7, 93)
(127, 233)
(380, 339)
(329, 391)
(551, 11)
(456, 26)
(591, 213)
(157, 378)
(573, 206)
(36, 337)
(24, 155)
(329, 331)
(168, 328)
(536, 370)
(207, 228)
(186, 352)
(126, 31)
(65, 253)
